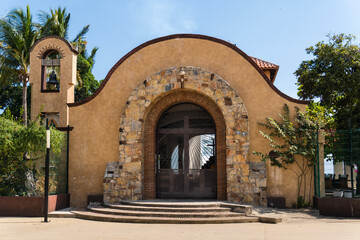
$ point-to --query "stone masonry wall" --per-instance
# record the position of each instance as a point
(245, 180)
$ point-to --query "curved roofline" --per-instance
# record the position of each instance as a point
(72, 48)
(196, 36)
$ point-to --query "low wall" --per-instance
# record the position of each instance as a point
(31, 206)
(339, 207)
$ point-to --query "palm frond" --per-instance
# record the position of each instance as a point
(82, 33)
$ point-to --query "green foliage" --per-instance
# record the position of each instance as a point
(321, 116)
(11, 99)
(40, 184)
(301, 203)
(333, 76)
(88, 84)
(289, 139)
(57, 23)
(54, 23)
(293, 141)
(17, 35)
(19, 146)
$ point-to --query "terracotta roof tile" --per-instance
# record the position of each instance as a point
(267, 66)
(264, 64)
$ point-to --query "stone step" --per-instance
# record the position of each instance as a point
(237, 207)
(181, 203)
(63, 213)
(182, 214)
(173, 203)
(167, 209)
(135, 219)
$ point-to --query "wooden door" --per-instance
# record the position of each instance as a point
(186, 156)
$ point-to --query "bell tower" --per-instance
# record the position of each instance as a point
(52, 78)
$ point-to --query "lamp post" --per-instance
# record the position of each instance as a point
(47, 163)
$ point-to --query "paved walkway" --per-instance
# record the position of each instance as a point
(296, 225)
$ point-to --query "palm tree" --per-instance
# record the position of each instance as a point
(54, 23)
(57, 23)
(17, 35)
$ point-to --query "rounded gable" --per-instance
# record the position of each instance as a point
(184, 37)
(50, 44)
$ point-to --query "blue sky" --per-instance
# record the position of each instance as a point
(276, 31)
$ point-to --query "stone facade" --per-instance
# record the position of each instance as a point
(124, 179)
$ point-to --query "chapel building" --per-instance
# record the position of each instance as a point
(175, 118)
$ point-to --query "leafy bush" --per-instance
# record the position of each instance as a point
(293, 141)
(19, 146)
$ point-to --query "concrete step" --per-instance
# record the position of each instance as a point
(173, 203)
(195, 204)
(63, 213)
(167, 209)
(160, 214)
(89, 215)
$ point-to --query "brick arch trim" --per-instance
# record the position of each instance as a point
(71, 47)
(152, 116)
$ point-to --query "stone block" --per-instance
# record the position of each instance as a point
(257, 166)
(256, 190)
(131, 136)
(240, 158)
(261, 182)
(245, 169)
(132, 166)
(208, 92)
(248, 199)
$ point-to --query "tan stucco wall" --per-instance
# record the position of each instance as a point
(94, 140)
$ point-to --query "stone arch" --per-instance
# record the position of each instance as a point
(133, 177)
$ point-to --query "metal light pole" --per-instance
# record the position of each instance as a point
(47, 163)
(351, 158)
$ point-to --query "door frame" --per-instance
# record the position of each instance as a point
(185, 173)
(153, 114)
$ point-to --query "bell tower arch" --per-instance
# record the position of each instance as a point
(52, 78)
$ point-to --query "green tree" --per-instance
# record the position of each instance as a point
(11, 99)
(293, 142)
(15, 140)
(88, 83)
(56, 22)
(332, 76)
(17, 35)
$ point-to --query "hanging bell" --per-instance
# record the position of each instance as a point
(53, 78)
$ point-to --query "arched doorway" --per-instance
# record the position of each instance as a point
(151, 118)
(186, 153)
